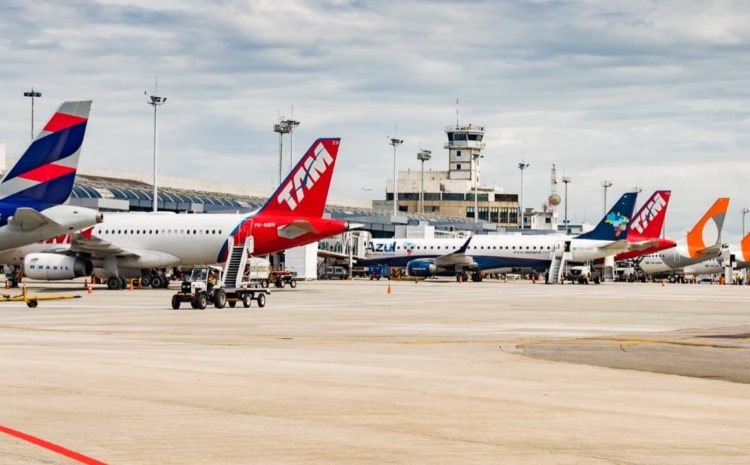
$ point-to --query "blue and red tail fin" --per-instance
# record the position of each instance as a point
(614, 225)
(649, 220)
(304, 192)
(46, 171)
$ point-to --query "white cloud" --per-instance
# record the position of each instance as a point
(641, 92)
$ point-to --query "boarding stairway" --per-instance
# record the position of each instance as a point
(557, 264)
(234, 268)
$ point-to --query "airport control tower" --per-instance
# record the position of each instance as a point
(464, 151)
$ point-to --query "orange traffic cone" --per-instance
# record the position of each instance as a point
(389, 289)
(89, 289)
(130, 287)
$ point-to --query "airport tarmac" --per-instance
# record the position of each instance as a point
(342, 372)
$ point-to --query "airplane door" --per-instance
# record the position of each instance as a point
(567, 246)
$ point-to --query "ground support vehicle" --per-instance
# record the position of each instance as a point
(211, 284)
(282, 278)
(207, 287)
(33, 300)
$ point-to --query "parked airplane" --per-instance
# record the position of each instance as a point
(737, 254)
(448, 257)
(134, 244)
(33, 190)
(646, 226)
(703, 242)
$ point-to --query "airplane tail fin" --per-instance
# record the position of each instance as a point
(305, 190)
(46, 171)
(745, 247)
(614, 225)
(706, 234)
(649, 220)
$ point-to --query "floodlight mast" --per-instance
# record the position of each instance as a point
(34, 95)
(566, 180)
(606, 185)
(155, 101)
(522, 166)
(395, 142)
(423, 156)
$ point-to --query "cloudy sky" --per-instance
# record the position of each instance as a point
(643, 93)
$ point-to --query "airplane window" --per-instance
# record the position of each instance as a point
(482, 247)
(514, 247)
(131, 231)
(195, 232)
(206, 231)
(188, 231)
(213, 231)
(431, 247)
(534, 247)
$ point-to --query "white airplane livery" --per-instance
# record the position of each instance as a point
(434, 257)
(33, 191)
(145, 244)
(703, 242)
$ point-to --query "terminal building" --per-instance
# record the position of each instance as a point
(451, 193)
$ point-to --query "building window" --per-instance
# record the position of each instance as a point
(458, 153)
(458, 167)
(494, 214)
(470, 212)
(483, 213)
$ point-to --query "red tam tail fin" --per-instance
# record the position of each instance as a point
(305, 190)
(649, 220)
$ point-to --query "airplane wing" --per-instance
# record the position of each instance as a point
(642, 245)
(457, 257)
(84, 242)
(28, 219)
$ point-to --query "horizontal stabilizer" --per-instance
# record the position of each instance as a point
(296, 229)
(28, 219)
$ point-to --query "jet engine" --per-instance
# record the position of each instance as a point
(50, 266)
(421, 268)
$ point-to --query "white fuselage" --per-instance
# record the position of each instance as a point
(488, 251)
(672, 260)
(148, 240)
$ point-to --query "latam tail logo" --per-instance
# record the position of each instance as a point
(618, 221)
(651, 211)
(305, 177)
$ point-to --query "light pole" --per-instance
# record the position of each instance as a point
(605, 184)
(476, 157)
(522, 166)
(745, 211)
(155, 101)
(395, 143)
(282, 128)
(33, 94)
(291, 124)
(423, 156)
(566, 180)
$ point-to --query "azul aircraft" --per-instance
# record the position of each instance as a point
(448, 257)
(33, 191)
(134, 244)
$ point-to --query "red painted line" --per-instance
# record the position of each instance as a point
(49, 446)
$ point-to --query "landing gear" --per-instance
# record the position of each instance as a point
(113, 283)
(462, 276)
(156, 282)
(476, 277)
